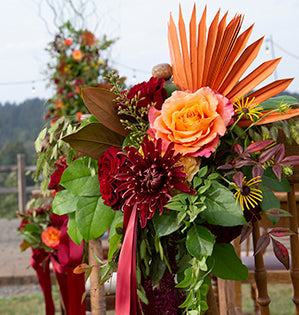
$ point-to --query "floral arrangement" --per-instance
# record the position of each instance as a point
(52, 249)
(176, 170)
(77, 60)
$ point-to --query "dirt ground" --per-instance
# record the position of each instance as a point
(16, 274)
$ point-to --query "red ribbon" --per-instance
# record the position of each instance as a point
(72, 286)
(126, 285)
(40, 262)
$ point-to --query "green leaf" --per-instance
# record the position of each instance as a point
(64, 202)
(187, 279)
(93, 217)
(93, 140)
(114, 240)
(116, 224)
(78, 180)
(274, 102)
(269, 179)
(166, 223)
(157, 269)
(39, 141)
(170, 88)
(73, 230)
(202, 171)
(227, 265)
(200, 241)
(221, 207)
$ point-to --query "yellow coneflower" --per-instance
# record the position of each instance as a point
(245, 108)
(247, 195)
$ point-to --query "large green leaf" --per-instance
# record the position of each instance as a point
(274, 102)
(100, 103)
(200, 241)
(226, 264)
(73, 230)
(165, 224)
(270, 180)
(93, 217)
(93, 140)
(78, 180)
(221, 207)
(64, 202)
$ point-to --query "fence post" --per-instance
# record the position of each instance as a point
(21, 183)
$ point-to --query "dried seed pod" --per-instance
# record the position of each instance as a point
(162, 70)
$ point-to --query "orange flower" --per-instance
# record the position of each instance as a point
(58, 103)
(67, 42)
(79, 114)
(88, 38)
(193, 121)
(77, 55)
(50, 237)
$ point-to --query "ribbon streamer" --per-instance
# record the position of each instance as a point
(72, 286)
(126, 285)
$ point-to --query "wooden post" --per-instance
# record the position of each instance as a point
(212, 302)
(294, 245)
(21, 183)
(238, 284)
(97, 292)
(260, 274)
(226, 297)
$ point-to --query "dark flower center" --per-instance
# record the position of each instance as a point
(245, 110)
(152, 177)
(245, 190)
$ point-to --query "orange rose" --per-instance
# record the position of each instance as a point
(88, 38)
(67, 42)
(50, 237)
(193, 121)
(77, 55)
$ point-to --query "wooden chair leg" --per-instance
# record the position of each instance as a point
(260, 275)
(294, 245)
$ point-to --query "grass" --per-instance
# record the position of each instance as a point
(281, 299)
(33, 304)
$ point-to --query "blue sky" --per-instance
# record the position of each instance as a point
(141, 27)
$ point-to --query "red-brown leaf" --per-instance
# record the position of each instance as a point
(100, 103)
(245, 232)
(258, 146)
(290, 161)
(81, 268)
(281, 253)
(262, 243)
(278, 213)
(281, 232)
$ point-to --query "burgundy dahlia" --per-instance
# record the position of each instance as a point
(148, 179)
(109, 166)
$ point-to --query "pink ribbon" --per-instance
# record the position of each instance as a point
(126, 285)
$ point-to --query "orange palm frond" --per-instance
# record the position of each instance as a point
(270, 118)
(217, 57)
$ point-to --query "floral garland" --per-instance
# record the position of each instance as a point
(180, 163)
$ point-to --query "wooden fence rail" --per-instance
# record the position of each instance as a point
(21, 190)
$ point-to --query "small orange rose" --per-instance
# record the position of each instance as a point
(67, 42)
(58, 103)
(50, 237)
(77, 55)
(193, 121)
(88, 38)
